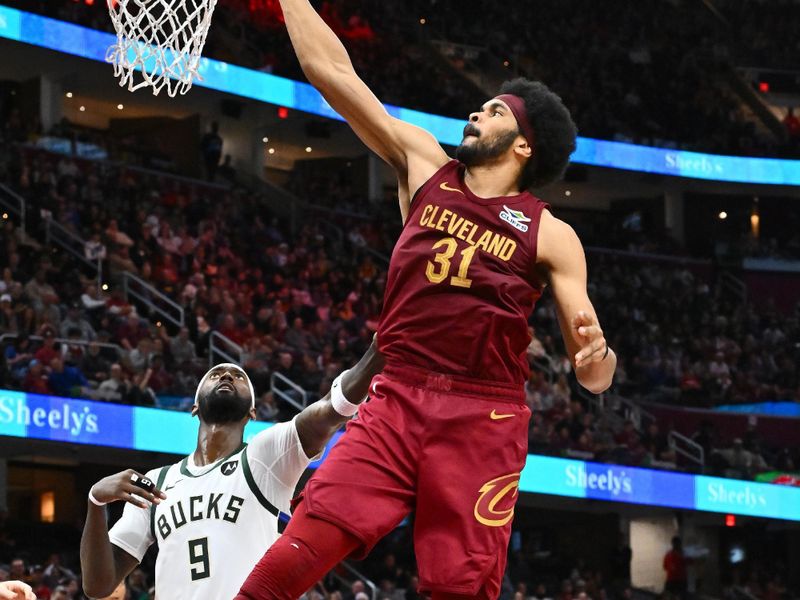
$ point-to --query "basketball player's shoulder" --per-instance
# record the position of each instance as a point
(557, 240)
(274, 441)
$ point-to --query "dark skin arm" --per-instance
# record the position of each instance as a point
(103, 564)
(318, 422)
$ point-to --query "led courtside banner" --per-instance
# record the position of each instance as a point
(155, 430)
(88, 43)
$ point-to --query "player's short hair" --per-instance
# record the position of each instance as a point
(553, 127)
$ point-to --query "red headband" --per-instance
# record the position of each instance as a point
(517, 106)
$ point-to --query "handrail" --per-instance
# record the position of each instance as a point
(631, 410)
(18, 207)
(69, 241)
(734, 285)
(688, 448)
(545, 365)
(368, 582)
(38, 338)
(123, 165)
(649, 256)
(285, 396)
(338, 212)
(222, 349)
(145, 293)
(73, 244)
(335, 229)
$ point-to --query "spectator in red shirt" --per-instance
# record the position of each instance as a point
(628, 437)
(48, 351)
(36, 380)
(675, 564)
(792, 124)
(37, 583)
(131, 331)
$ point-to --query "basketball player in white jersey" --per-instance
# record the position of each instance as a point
(214, 513)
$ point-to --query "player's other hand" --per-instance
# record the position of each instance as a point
(16, 590)
(593, 343)
(120, 486)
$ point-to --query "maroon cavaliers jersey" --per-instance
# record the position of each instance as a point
(462, 282)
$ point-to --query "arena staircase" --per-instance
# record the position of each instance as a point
(346, 574)
(14, 205)
(615, 410)
(476, 65)
(732, 53)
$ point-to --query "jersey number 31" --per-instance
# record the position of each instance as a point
(438, 272)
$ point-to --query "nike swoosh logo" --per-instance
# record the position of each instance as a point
(495, 417)
(444, 186)
(169, 487)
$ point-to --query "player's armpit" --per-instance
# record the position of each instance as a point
(561, 253)
(318, 422)
(355, 384)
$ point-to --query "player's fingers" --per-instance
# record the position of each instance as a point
(591, 352)
(126, 475)
(581, 318)
(144, 483)
(128, 497)
(137, 491)
(6, 593)
(12, 590)
(590, 331)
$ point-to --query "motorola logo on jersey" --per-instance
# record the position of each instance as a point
(229, 467)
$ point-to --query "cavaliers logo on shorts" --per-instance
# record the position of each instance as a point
(495, 505)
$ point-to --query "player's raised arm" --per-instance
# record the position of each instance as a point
(588, 351)
(104, 564)
(412, 152)
(318, 422)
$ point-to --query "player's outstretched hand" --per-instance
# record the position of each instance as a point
(593, 343)
(16, 590)
(129, 486)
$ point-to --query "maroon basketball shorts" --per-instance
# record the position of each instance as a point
(448, 448)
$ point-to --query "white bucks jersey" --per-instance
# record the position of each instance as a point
(218, 520)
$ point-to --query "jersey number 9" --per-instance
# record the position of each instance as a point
(198, 556)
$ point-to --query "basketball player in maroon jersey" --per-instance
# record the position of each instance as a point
(444, 433)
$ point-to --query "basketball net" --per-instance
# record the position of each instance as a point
(159, 42)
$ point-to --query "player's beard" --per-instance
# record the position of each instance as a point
(218, 409)
(483, 152)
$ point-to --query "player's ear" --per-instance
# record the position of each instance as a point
(522, 147)
(195, 408)
(253, 413)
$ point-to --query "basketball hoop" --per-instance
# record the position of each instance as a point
(162, 40)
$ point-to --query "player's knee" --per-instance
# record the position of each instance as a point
(282, 573)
